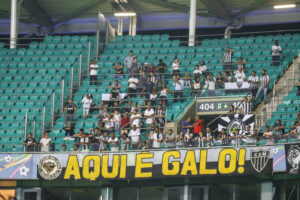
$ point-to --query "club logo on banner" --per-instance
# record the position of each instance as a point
(292, 154)
(236, 122)
(49, 167)
(259, 159)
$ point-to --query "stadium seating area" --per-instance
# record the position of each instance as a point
(29, 77)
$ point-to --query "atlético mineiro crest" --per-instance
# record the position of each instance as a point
(293, 158)
(259, 159)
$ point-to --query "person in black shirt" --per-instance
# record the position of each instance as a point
(220, 81)
(70, 111)
(30, 143)
(161, 69)
(69, 130)
(278, 129)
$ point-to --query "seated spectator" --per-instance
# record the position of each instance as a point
(45, 143)
(125, 142)
(236, 138)
(197, 72)
(84, 142)
(117, 120)
(203, 67)
(142, 83)
(69, 131)
(161, 70)
(125, 124)
(189, 138)
(149, 114)
(63, 148)
(210, 85)
(163, 94)
(135, 119)
(159, 117)
(153, 97)
(241, 63)
(196, 86)
(220, 81)
(180, 140)
(135, 137)
(170, 139)
(127, 108)
(30, 143)
(76, 148)
(109, 123)
(186, 124)
(132, 86)
(175, 68)
(278, 130)
(115, 91)
(144, 68)
(79, 135)
(295, 130)
(103, 140)
(232, 110)
(248, 136)
(269, 136)
(227, 77)
(178, 89)
(149, 86)
(276, 51)
(157, 138)
(135, 107)
(144, 146)
(187, 80)
(223, 138)
(199, 140)
(69, 111)
(118, 70)
(101, 109)
(152, 69)
(113, 142)
(253, 83)
(87, 102)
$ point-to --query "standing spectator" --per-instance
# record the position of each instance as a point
(113, 142)
(30, 143)
(84, 142)
(232, 110)
(198, 125)
(203, 67)
(209, 137)
(227, 60)
(175, 68)
(135, 67)
(117, 120)
(124, 142)
(241, 63)
(268, 135)
(149, 86)
(161, 69)
(63, 148)
(253, 81)
(187, 80)
(153, 97)
(210, 85)
(87, 102)
(118, 70)
(220, 81)
(180, 140)
(178, 87)
(264, 83)
(186, 124)
(125, 123)
(197, 72)
(236, 138)
(70, 111)
(94, 139)
(128, 63)
(163, 94)
(189, 138)
(170, 139)
(115, 91)
(240, 76)
(135, 118)
(103, 141)
(144, 67)
(153, 79)
(276, 51)
(132, 86)
(152, 69)
(227, 77)
(248, 136)
(135, 137)
(93, 73)
(160, 117)
(196, 87)
(149, 114)
(142, 83)
(245, 106)
(45, 143)
(109, 123)
(223, 137)
(157, 138)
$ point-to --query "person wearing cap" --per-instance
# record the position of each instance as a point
(128, 62)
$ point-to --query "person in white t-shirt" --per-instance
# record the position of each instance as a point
(135, 137)
(210, 85)
(156, 139)
(276, 51)
(109, 122)
(248, 136)
(240, 77)
(114, 143)
(132, 85)
(135, 118)
(149, 113)
(175, 68)
(197, 72)
(93, 73)
(117, 120)
(87, 102)
(45, 143)
(203, 67)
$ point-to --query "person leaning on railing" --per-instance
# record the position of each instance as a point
(30, 143)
